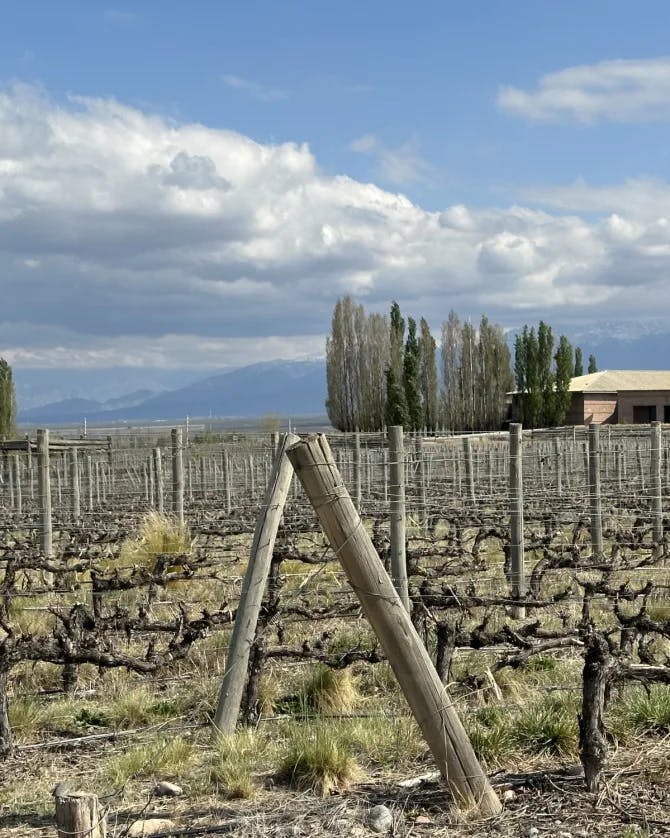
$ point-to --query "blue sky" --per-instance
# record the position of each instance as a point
(500, 158)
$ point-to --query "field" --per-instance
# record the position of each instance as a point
(115, 620)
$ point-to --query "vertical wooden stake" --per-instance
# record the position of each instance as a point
(469, 471)
(595, 501)
(177, 476)
(421, 481)
(253, 586)
(429, 701)
(517, 579)
(358, 490)
(75, 497)
(158, 480)
(655, 489)
(44, 490)
(397, 512)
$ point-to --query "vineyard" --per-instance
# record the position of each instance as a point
(533, 567)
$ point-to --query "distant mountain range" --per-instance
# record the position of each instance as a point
(287, 388)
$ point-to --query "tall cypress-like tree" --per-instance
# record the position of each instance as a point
(411, 369)
(545, 349)
(451, 364)
(396, 412)
(579, 362)
(593, 366)
(563, 374)
(428, 377)
(7, 400)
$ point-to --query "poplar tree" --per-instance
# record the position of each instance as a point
(564, 369)
(545, 348)
(428, 377)
(396, 412)
(593, 366)
(579, 362)
(451, 364)
(411, 368)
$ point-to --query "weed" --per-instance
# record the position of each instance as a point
(330, 691)
(236, 757)
(649, 711)
(317, 758)
(549, 726)
(168, 759)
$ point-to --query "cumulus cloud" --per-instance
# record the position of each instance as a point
(400, 166)
(632, 90)
(124, 235)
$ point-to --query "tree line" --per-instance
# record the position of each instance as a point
(387, 371)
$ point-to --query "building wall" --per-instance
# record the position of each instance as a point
(628, 400)
(600, 408)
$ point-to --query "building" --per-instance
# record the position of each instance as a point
(620, 397)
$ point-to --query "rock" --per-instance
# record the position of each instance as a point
(422, 820)
(380, 819)
(533, 832)
(139, 829)
(165, 789)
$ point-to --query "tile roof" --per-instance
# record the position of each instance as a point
(614, 381)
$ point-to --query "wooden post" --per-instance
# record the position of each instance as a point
(75, 497)
(253, 586)
(89, 481)
(421, 482)
(110, 463)
(517, 575)
(15, 466)
(79, 815)
(595, 501)
(158, 480)
(44, 489)
(177, 476)
(469, 471)
(429, 701)
(358, 490)
(227, 482)
(397, 512)
(655, 489)
(557, 465)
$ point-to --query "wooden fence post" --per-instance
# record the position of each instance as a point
(158, 480)
(397, 512)
(469, 471)
(655, 489)
(89, 481)
(421, 482)
(253, 586)
(44, 490)
(79, 816)
(75, 496)
(18, 495)
(227, 481)
(177, 476)
(429, 701)
(358, 483)
(517, 575)
(595, 501)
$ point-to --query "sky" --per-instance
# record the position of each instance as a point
(193, 185)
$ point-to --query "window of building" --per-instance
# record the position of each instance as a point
(644, 413)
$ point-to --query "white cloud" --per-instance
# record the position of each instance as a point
(632, 90)
(255, 89)
(401, 166)
(124, 236)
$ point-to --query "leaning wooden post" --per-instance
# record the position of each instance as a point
(177, 476)
(595, 501)
(430, 703)
(655, 488)
(75, 496)
(253, 586)
(79, 815)
(397, 512)
(158, 480)
(44, 490)
(517, 575)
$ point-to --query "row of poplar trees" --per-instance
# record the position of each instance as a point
(7, 400)
(386, 372)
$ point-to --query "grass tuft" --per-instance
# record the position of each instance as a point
(649, 711)
(548, 727)
(317, 758)
(330, 691)
(157, 535)
(166, 759)
(234, 763)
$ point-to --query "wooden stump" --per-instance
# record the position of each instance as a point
(79, 816)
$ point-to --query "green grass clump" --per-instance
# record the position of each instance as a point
(236, 758)
(330, 691)
(157, 535)
(547, 727)
(164, 759)
(317, 758)
(491, 735)
(649, 711)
